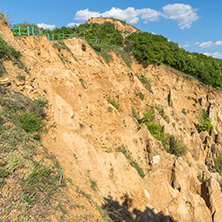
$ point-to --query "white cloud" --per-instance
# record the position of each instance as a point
(83, 15)
(205, 44)
(197, 43)
(217, 55)
(46, 26)
(72, 24)
(131, 15)
(185, 45)
(148, 14)
(218, 43)
(185, 15)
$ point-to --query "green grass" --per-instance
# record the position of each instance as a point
(170, 143)
(30, 122)
(35, 183)
(104, 50)
(93, 184)
(205, 122)
(160, 110)
(61, 45)
(218, 163)
(113, 103)
(9, 53)
(132, 162)
(145, 82)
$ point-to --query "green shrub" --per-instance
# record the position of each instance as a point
(205, 122)
(114, 103)
(145, 82)
(173, 145)
(170, 143)
(218, 164)
(96, 47)
(83, 47)
(31, 123)
(156, 130)
(7, 52)
(141, 95)
(139, 170)
(184, 111)
(133, 163)
(160, 109)
(4, 173)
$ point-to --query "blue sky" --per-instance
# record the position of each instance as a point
(195, 25)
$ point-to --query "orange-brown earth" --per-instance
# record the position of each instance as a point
(85, 132)
(119, 25)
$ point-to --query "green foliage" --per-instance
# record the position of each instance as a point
(93, 184)
(170, 143)
(31, 123)
(218, 163)
(114, 103)
(105, 31)
(7, 52)
(205, 122)
(184, 111)
(35, 184)
(173, 145)
(149, 48)
(83, 47)
(160, 110)
(133, 163)
(102, 50)
(3, 173)
(82, 82)
(139, 170)
(145, 82)
(141, 95)
(42, 179)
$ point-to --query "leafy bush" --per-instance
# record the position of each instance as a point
(149, 48)
(145, 82)
(7, 52)
(31, 123)
(114, 103)
(218, 163)
(133, 163)
(96, 47)
(83, 47)
(160, 109)
(173, 145)
(170, 143)
(205, 122)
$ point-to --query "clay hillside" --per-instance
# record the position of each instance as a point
(93, 135)
(119, 25)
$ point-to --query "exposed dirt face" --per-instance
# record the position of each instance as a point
(86, 132)
(121, 26)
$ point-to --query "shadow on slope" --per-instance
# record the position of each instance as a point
(119, 212)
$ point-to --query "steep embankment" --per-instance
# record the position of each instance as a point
(119, 25)
(104, 148)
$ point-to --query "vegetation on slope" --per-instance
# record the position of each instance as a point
(28, 184)
(148, 48)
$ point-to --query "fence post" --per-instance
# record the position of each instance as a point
(63, 35)
(40, 32)
(33, 33)
(48, 36)
(52, 36)
(59, 36)
(19, 28)
(28, 30)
